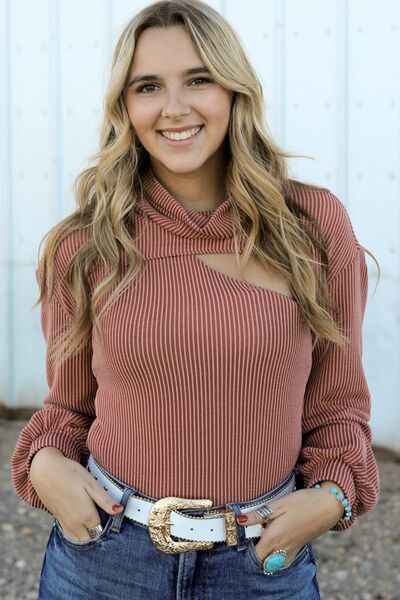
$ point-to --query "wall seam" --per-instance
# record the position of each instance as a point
(8, 166)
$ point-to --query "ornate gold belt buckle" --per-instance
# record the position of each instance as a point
(160, 526)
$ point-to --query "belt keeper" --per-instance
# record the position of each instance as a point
(117, 519)
(239, 536)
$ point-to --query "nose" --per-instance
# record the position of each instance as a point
(175, 106)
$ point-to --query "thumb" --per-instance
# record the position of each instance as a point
(253, 517)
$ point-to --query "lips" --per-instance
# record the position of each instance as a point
(189, 133)
(180, 129)
(184, 142)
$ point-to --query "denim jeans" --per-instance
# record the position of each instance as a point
(122, 563)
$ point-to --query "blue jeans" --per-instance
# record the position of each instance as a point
(122, 563)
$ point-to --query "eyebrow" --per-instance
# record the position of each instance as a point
(192, 71)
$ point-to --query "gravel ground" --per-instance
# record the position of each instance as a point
(347, 565)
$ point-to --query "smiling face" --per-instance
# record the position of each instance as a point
(174, 98)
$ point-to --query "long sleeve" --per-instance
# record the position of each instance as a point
(336, 435)
(69, 408)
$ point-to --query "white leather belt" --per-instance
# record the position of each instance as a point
(163, 521)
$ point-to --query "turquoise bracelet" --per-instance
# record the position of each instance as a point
(341, 499)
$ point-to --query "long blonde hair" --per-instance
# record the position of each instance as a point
(256, 179)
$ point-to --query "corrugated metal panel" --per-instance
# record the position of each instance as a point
(329, 72)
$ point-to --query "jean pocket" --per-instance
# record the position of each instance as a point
(302, 555)
(106, 521)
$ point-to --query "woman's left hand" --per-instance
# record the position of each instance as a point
(297, 518)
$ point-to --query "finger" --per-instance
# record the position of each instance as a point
(253, 517)
(267, 543)
(101, 497)
(77, 533)
(264, 549)
(77, 528)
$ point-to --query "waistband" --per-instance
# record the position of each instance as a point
(197, 521)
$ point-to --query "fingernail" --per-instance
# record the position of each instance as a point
(242, 519)
(116, 506)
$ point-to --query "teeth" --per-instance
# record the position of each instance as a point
(182, 135)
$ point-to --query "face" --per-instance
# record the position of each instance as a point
(173, 98)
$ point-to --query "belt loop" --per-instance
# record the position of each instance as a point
(241, 531)
(117, 519)
(299, 479)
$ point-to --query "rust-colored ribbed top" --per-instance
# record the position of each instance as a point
(206, 386)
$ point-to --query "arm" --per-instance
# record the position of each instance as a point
(336, 448)
(69, 408)
(336, 435)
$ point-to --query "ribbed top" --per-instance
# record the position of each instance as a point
(205, 386)
(163, 209)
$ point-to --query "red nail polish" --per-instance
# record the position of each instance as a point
(242, 519)
(116, 506)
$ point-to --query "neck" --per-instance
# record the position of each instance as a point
(199, 191)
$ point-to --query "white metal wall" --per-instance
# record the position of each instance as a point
(330, 74)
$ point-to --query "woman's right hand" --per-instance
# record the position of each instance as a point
(69, 492)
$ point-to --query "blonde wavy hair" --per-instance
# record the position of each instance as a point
(256, 179)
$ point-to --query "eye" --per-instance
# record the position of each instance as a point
(206, 79)
(142, 87)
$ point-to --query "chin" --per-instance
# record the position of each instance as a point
(181, 167)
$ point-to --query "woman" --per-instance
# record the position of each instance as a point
(203, 317)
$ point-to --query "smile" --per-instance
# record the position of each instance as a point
(180, 135)
(183, 138)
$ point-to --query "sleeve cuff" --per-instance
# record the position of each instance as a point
(57, 439)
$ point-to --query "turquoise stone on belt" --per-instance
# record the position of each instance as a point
(275, 562)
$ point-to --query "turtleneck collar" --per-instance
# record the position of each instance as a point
(161, 207)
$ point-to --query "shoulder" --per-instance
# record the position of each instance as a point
(64, 252)
(68, 247)
(333, 219)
